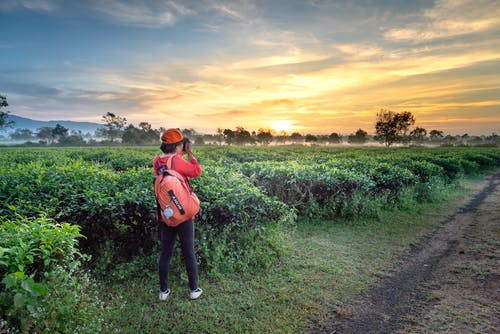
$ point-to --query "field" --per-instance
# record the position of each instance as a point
(287, 235)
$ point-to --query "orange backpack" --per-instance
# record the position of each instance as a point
(176, 200)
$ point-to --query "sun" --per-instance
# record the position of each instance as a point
(283, 125)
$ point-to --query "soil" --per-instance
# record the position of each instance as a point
(448, 283)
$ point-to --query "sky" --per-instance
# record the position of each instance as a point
(307, 66)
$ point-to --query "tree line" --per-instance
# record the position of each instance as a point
(390, 128)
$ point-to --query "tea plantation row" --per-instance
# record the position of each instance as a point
(248, 196)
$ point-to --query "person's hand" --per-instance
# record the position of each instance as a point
(188, 148)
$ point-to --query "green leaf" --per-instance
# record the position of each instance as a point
(27, 285)
(30, 258)
(20, 275)
(40, 289)
(19, 300)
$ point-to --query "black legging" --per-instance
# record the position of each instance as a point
(185, 231)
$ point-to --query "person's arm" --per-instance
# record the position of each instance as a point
(189, 168)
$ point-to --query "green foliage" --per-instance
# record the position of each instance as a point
(42, 286)
(312, 190)
(249, 197)
(116, 210)
(237, 223)
(34, 247)
(392, 127)
(390, 180)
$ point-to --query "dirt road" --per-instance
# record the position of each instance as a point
(449, 283)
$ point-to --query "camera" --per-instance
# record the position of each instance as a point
(184, 142)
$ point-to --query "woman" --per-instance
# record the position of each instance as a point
(173, 146)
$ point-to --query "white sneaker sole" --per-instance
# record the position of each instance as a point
(195, 295)
(164, 295)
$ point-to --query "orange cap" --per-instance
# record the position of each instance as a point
(171, 136)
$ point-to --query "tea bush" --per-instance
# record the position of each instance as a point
(312, 190)
(108, 191)
(116, 210)
(42, 287)
(249, 195)
(238, 223)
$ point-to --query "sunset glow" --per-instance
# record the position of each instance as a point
(283, 125)
(305, 66)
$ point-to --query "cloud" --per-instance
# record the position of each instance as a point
(449, 18)
(151, 14)
(238, 10)
(30, 89)
(227, 11)
(138, 13)
(180, 8)
(294, 57)
(360, 50)
(35, 5)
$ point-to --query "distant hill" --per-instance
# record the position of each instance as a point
(33, 125)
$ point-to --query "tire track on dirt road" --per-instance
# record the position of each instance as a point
(384, 308)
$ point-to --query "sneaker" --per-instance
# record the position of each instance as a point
(164, 295)
(195, 294)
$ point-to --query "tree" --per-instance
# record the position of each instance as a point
(74, 139)
(311, 138)
(334, 138)
(4, 123)
(143, 135)
(323, 139)
(475, 140)
(436, 135)
(145, 126)
(450, 140)
(190, 133)
(131, 135)
(360, 137)
(229, 136)
(22, 134)
(59, 132)
(418, 135)
(148, 134)
(391, 127)
(242, 136)
(46, 134)
(220, 135)
(296, 137)
(282, 137)
(264, 136)
(113, 127)
(493, 139)
(198, 140)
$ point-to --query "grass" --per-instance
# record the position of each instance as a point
(328, 263)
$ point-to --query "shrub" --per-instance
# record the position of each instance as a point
(484, 161)
(312, 190)
(451, 166)
(116, 210)
(390, 180)
(424, 170)
(42, 286)
(238, 223)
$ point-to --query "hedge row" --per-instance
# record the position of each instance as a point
(329, 186)
(116, 210)
(247, 196)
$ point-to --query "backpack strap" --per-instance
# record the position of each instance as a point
(162, 167)
(170, 165)
(170, 162)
